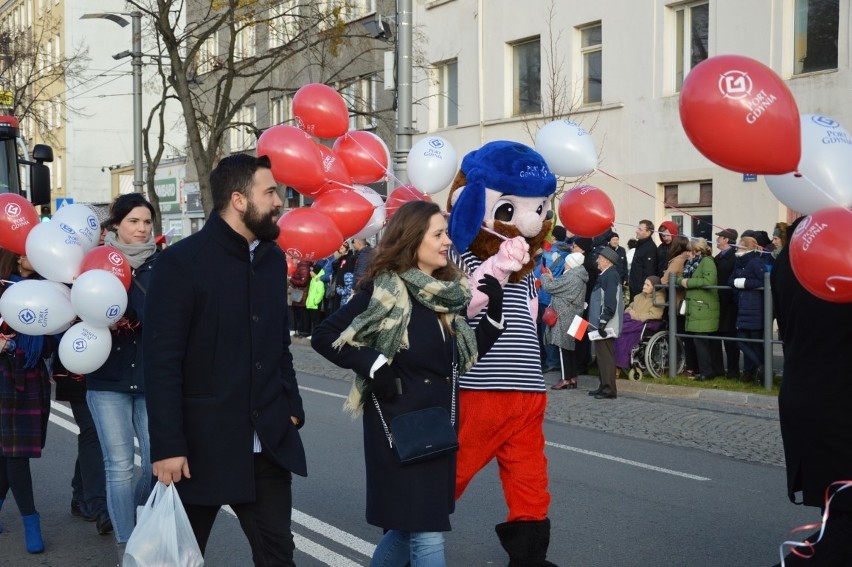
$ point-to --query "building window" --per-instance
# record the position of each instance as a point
(692, 32)
(448, 93)
(283, 23)
(207, 58)
(243, 131)
(696, 199)
(360, 97)
(591, 50)
(816, 35)
(526, 62)
(276, 111)
(244, 46)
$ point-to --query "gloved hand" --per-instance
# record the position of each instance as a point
(512, 255)
(386, 385)
(602, 329)
(739, 283)
(492, 288)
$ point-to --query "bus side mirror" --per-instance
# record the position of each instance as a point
(42, 153)
(40, 183)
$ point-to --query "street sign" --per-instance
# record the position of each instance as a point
(749, 177)
(61, 202)
(7, 98)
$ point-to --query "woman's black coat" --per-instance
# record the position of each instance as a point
(815, 403)
(418, 497)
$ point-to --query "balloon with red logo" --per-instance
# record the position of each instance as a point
(586, 211)
(402, 195)
(110, 259)
(321, 111)
(819, 254)
(365, 155)
(349, 210)
(336, 174)
(17, 219)
(308, 234)
(740, 115)
(296, 160)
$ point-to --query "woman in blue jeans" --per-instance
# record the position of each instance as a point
(116, 391)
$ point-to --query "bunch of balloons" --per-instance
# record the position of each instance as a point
(64, 251)
(332, 176)
(740, 115)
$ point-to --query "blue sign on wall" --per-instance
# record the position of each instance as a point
(63, 201)
(749, 177)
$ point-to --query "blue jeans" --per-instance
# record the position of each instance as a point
(421, 549)
(752, 352)
(118, 416)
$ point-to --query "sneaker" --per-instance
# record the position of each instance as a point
(79, 510)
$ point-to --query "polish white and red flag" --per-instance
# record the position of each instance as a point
(577, 328)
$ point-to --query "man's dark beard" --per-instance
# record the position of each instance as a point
(262, 226)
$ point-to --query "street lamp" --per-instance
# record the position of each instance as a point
(136, 61)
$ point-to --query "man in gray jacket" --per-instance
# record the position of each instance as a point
(606, 309)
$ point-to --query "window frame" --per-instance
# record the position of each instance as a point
(683, 56)
(448, 93)
(518, 107)
(587, 51)
(800, 38)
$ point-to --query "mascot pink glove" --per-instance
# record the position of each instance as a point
(512, 255)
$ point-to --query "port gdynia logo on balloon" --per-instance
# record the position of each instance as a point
(735, 84)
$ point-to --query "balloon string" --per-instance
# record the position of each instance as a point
(809, 545)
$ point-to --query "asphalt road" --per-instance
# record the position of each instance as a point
(653, 478)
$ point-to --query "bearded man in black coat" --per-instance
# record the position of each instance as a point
(223, 403)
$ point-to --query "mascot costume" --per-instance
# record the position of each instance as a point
(500, 211)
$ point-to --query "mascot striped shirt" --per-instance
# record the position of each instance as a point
(514, 362)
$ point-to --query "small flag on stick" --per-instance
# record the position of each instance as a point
(578, 327)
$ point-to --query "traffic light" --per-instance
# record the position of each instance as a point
(45, 213)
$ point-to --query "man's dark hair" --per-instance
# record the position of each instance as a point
(648, 224)
(234, 173)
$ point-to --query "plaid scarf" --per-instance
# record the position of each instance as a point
(692, 264)
(384, 324)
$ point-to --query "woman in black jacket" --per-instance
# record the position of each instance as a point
(116, 391)
(401, 334)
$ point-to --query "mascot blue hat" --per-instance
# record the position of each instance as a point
(508, 167)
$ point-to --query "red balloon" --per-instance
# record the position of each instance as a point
(291, 265)
(586, 211)
(336, 174)
(308, 234)
(17, 219)
(321, 111)
(739, 114)
(365, 155)
(401, 195)
(819, 254)
(110, 259)
(296, 161)
(348, 209)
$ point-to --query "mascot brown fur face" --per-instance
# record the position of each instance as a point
(486, 244)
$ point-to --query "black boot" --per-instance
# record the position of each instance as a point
(526, 542)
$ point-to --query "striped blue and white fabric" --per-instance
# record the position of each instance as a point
(514, 362)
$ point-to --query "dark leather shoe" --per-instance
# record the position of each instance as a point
(572, 383)
(595, 392)
(604, 396)
(561, 385)
(79, 510)
(104, 524)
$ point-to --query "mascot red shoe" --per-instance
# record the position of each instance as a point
(500, 211)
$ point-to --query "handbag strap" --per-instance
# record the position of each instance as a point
(455, 377)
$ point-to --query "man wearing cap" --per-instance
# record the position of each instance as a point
(668, 229)
(725, 259)
(644, 259)
(606, 310)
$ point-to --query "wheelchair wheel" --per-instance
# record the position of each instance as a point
(657, 355)
(635, 373)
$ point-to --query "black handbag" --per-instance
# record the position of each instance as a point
(426, 433)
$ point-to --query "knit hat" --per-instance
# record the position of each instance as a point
(609, 254)
(508, 167)
(655, 280)
(669, 226)
(574, 259)
(584, 243)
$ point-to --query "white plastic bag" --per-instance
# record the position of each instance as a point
(162, 536)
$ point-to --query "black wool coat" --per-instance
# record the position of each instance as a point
(644, 264)
(418, 497)
(727, 301)
(218, 365)
(816, 392)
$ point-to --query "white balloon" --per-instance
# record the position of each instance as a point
(36, 307)
(84, 222)
(567, 148)
(377, 220)
(84, 348)
(55, 251)
(432, 164)
(825, 168)
(98, 298)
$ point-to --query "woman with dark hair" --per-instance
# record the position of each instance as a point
(24, 405)
(116, 391)
(702, 305)
(678, 255)
(402, 333)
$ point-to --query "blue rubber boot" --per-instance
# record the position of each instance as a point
(32, 533)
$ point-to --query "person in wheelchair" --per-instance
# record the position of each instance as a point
(646, 309)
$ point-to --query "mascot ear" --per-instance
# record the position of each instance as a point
(468, 211)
